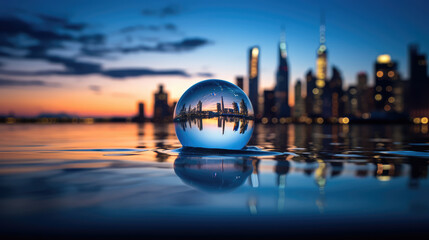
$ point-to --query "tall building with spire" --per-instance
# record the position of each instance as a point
(254, 78)
(282, 81)
(321, 70)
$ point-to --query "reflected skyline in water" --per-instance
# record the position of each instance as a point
(328, 171)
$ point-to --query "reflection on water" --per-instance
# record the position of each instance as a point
(356, 176)
(224, 132)
(211, 173)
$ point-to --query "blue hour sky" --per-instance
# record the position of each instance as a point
(357, 31)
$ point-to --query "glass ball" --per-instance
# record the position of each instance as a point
(214, 114)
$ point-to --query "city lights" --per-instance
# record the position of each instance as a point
(384, 58)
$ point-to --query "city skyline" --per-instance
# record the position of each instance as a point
(352, 48)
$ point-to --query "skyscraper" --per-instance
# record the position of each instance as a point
(161, 108)
(352, 101)
(140, 116)
(386, 77)
(299, 101)
(282, 82)
(363, 93)
(239, 82)
(269, 104)
(336, 94)
(254, 78)
(321, 70)
(419, 83)
(310, 90)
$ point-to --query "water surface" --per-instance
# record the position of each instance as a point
(127, 179)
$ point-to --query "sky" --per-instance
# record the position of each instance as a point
(99, 58)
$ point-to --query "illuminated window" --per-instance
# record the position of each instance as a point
(384, 58)
(416, 120)
(387, 108)
(320, 83)
(264, 120)
(378, 97)
(389, 88)
(378, 88)
(315, 91)
(391, 74)
(346, 120)
(380, 74)
(319, 120)
(255, 52)
(424, 120)
(275, 120)
(391, 99)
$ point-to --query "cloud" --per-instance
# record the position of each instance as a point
(118, 74)
(168, 27)
(186, 44)
(26, 83)
(95, 88)
(170, 10)
(63, 23)
(34, 40)
(139, 72)
(205, 74)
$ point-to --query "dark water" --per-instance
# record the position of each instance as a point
(125, 180)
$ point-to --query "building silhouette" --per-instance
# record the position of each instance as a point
(282, 81)
(140, 115)
(243, 108)
(419, 83)
(310, 90)
(162, 111)
(269, 104)
(352, 101)
(336, 94)
(363, 94)
(240, 82)
(321, 72)
(254, 53)
(386, 78)
(235, 108)
(299, 108)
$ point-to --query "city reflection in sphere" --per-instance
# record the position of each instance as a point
(214, 114)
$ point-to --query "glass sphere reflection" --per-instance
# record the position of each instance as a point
(213, 173)
(214, 114)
